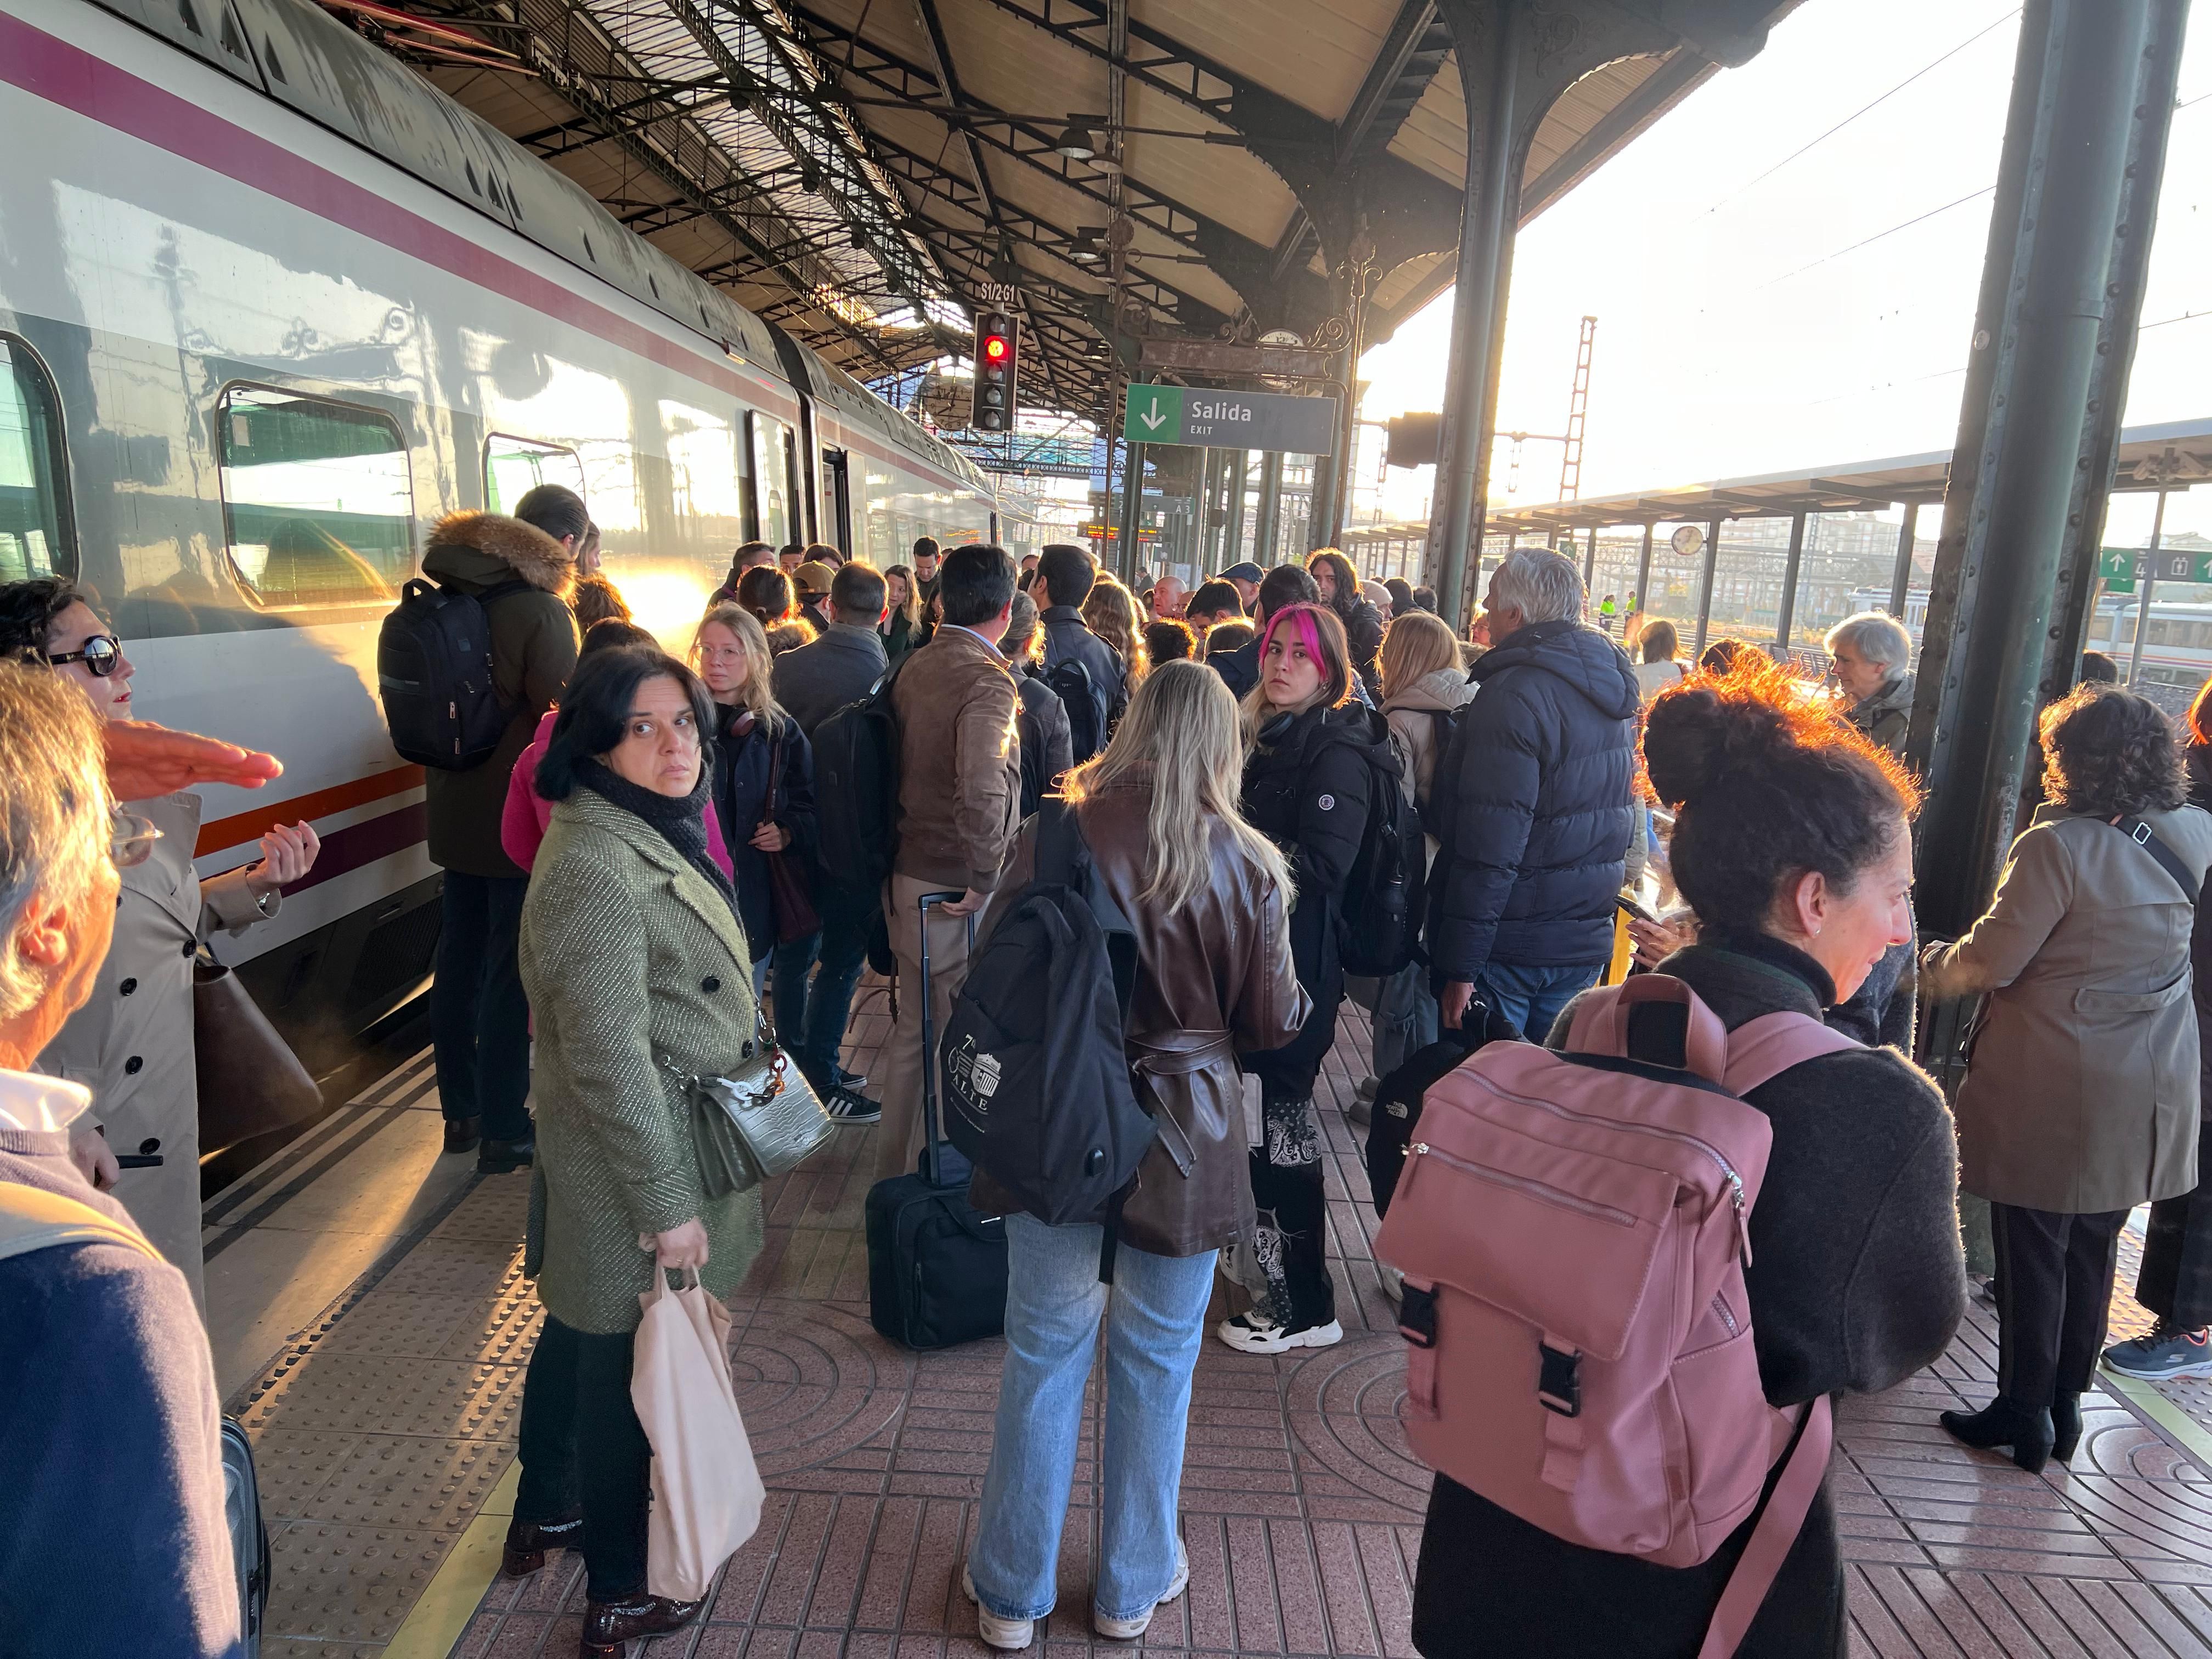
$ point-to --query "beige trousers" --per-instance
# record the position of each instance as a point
(898, 1137)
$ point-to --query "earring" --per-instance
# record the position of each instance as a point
(1816, 930)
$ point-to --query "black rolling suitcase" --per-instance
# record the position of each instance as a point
(249, 1536)
(937, 1268)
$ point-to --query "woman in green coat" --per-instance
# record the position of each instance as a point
(635, 963)
(902, 624)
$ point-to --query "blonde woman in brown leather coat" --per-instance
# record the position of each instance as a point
(1208, 897)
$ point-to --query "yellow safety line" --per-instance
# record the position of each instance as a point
(461, 1580)
(2169, 1416)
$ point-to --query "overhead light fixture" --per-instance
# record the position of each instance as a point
(857, 237)
(1077, 142)
(1082, 247)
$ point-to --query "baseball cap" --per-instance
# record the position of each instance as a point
(814, 576)
(1246, 572)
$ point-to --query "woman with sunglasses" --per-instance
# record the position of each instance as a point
(132, 1044)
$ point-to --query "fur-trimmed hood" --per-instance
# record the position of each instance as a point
(477, 550)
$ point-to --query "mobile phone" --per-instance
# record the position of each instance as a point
(1633, 907)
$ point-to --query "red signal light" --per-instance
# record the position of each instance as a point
(996, 348)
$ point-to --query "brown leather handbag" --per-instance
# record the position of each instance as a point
(250, 1081)
(788, 886)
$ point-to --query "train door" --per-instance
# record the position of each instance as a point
(837, 501)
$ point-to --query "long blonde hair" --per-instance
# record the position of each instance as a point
(1414, 647)
(1180, 735)
(758, 692)
(911, 608)
(1111, 613)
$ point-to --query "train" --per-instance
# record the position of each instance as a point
(271, 305)
(2177, 657)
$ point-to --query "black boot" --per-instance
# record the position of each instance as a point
(2003, 1422)
(527, 1543)
(462, 1134)
(2065, 1426)
(610, 1626)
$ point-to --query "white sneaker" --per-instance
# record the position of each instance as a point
(1006, 1635)
(1247, 1333)
(1128, 1630)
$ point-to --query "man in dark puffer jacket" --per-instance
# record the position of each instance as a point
(1534, 803)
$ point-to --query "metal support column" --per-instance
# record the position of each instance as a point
(1488, 60)
(1705, 598)
(1202, 507)
(2075, 199)
(1268, 513)
(1902, 583)
(1590, 557)
(1789, 610)
(2142, 592)
(1644, 571)
(1133, 507)
(1232, 522)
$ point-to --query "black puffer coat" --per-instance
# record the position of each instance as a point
(1362, 632)
(1306, 788)
(1533, 805)
(742, 759)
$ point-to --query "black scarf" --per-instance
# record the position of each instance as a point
(681, 819)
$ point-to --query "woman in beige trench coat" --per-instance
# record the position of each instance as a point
(132, 1044)
(2081, 1096)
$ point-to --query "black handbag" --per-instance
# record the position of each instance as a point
(789, 890)
(249, 1080)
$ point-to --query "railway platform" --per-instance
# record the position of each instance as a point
(384, 1417)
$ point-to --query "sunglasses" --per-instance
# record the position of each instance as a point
(131, 839)
(102, 656)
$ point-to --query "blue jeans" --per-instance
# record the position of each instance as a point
(1532, 997)
(842, 946)
(1155, 1322)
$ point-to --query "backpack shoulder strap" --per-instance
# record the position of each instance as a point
(1060, 849)
(1775, 1533)
(500, 590)
(1761, 1049)
(2169, 860)
(33, 1218)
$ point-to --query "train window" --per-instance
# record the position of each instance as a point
(35, 538)
(774, 489)
(317, 499)
(515, 466)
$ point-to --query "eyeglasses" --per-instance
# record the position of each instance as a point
(131, 839)
(102, 656)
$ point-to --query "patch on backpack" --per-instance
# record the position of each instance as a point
(974, 1073)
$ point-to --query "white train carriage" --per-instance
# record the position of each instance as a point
(269, 305)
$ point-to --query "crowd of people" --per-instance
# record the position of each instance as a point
(639, 891)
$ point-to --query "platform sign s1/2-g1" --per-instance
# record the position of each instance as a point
(1200, 417)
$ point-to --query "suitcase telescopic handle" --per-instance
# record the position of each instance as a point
(932, 1135)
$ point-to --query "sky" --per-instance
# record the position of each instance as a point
(1784, 278)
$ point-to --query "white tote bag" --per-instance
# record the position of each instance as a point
(707, 1492)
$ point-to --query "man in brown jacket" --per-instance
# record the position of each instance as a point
(960, 785)
(521, 569)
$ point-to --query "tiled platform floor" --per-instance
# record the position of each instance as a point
(386, 1429)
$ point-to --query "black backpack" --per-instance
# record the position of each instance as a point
(1038, 1086)
(856, 786)
(1383, 899)
(1071, 683)
(1033, 781)
(433, 670)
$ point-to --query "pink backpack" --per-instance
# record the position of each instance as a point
(1573, 1233)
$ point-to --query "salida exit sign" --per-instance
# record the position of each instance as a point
(1201, 416)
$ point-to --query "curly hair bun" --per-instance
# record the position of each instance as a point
(1695, 739)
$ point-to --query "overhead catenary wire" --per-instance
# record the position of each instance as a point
(1867, 241)
(1801, 149)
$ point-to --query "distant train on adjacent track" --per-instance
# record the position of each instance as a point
(2177, 656)
(269, 305)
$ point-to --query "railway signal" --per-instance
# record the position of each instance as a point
(998, 363)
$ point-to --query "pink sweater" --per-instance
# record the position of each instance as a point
(522, 822)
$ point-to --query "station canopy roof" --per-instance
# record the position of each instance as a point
(857, 170)
(2173, 455)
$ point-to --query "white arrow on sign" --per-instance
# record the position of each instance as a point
(1154, 419)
